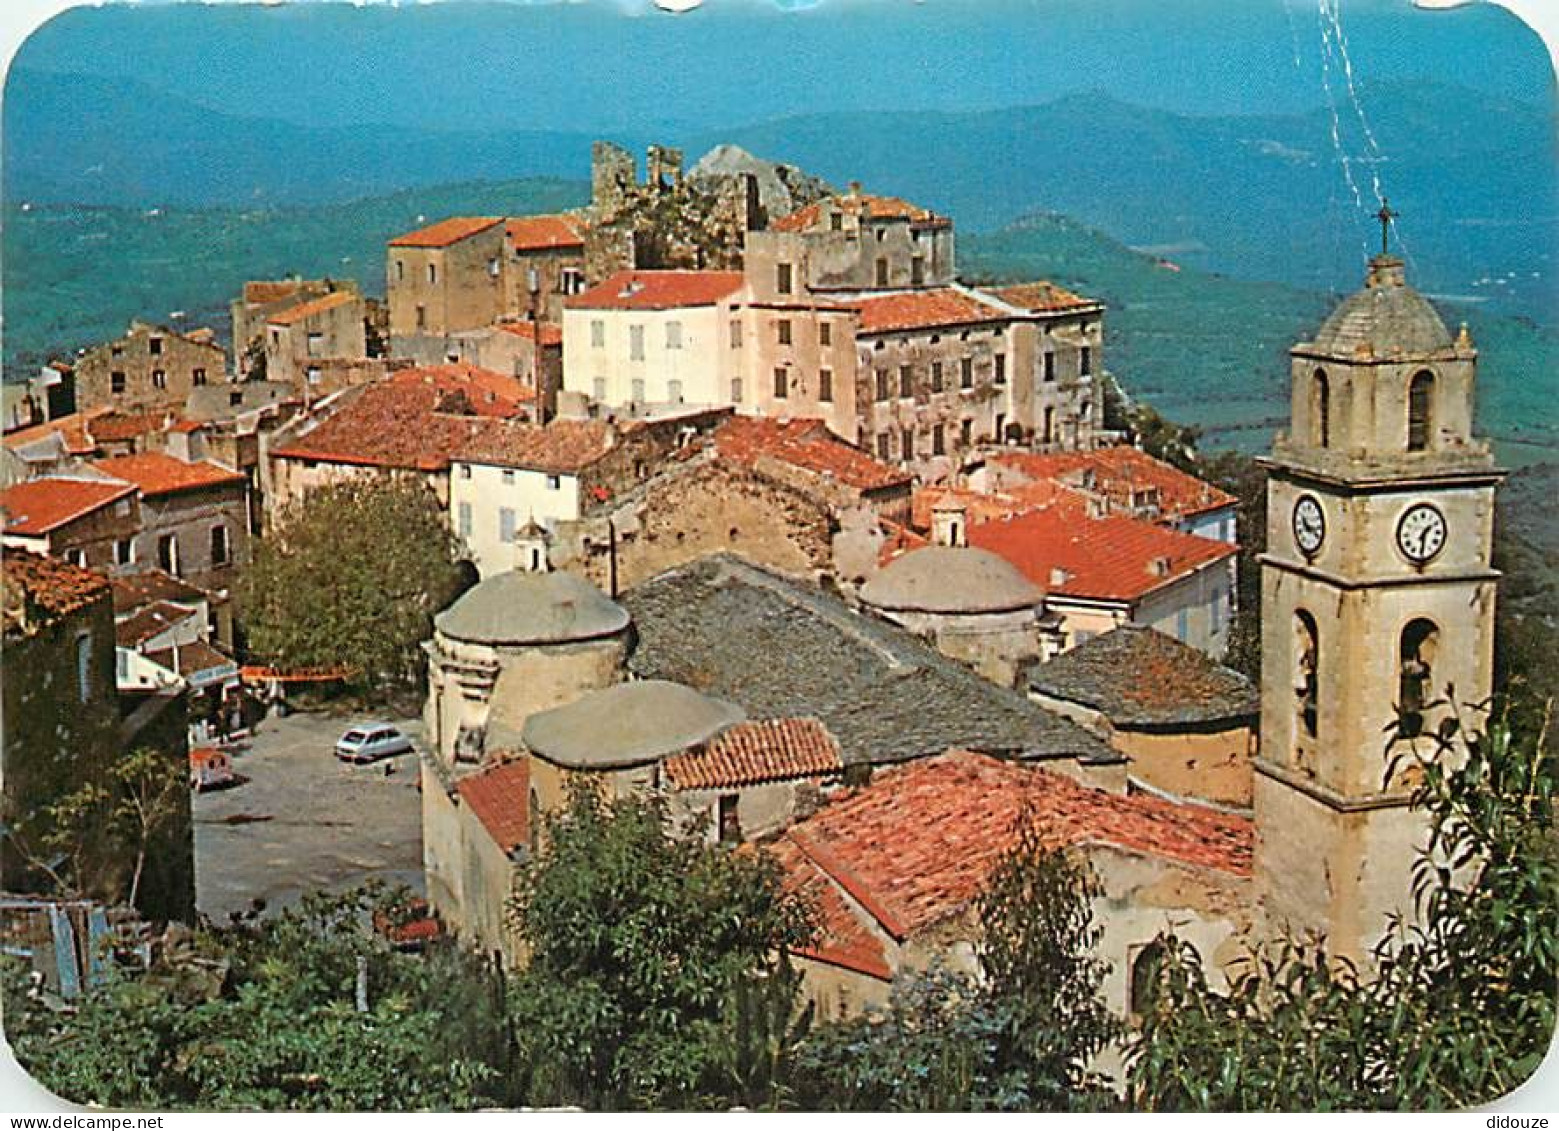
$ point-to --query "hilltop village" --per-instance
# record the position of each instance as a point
(770, 513)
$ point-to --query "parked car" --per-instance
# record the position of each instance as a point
(368, 742)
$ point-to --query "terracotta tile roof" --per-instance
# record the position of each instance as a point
(72, 430)
(306, 310)
(917, 845)
(754, 752)
(548, 333)
(41, 505)
(156, 473)
(859, 204)
(1120, 473)
(56, 587)
(899, 540)
(1042, 297)
(842, 938)
(261, 291)
(187, 426)
(805, 444)
(446, 232)
(149, 621)
(489, 392)
(913, 310)
(192, 658)
(989, 506)
(1138, 676)
(539, 233)
(499, 798)
(557, 446)
(658, 290)
(112, 427)
(148, 585)
(1113, 558)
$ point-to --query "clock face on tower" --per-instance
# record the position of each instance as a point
(1309, 525)
(1421, 532)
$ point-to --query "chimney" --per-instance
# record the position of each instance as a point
(1058, 576)
(1159, 566)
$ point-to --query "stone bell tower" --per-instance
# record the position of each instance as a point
(1377, 595)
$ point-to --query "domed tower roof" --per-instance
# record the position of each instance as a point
(628, 724)
(957, 580)
(519, 608)
(1387, 318)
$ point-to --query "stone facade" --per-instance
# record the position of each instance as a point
(263, 299)
(445, 278)
(300, 339)
(151, 367)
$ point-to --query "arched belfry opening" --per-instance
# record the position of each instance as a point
(1420, 411)
(1307, 662)
(1415, 674)
(1321, 408)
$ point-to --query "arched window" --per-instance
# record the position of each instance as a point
(1142, 987)
(1307, 653)
(1321, 408)
(1420, 410)
(1415, 674)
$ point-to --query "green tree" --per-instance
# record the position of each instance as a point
(350, 578)
(1020, 1036)
(308, 1010)
(1459, 1007)
(643, 946)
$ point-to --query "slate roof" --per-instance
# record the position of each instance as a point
(158, 474)
(499, 798)
(1119, 471)
(755, 752)
(445, 232)
(658, 290)
(54, 586)
(1138, 676)
(41, 505)
(781, 648)
(806, 444)
(916, 845)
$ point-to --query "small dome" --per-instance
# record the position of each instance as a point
(516, 608)
(951, 579)
(1388, 316)
(627, 724)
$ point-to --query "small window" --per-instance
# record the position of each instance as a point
(966, 432)
(781, 382)
(573, 280)
(784, 331)
(882, 384)
(506, 525)
(508, 476)
(917, 271)
(77, 558)
(168, 554)
(836, 222)
(674, 391)
(936, 376)
(938, 440)
(1420, 410)
(1001, 369)
(597, 333)
(1321, 408)
(908, 446)
(906, 381)
(154, 346)
(422, 317)
(825, 333)
(1050, 365)
(966, 373)
(234, 400)
(219, 549)
(463, 519)
(198, 377)
(736, 334)
(825, 385)
(400, 270)
(673, 335)
(637, 393)
(493, 267)
(882, 268)
(316, 343)
(782, 278)
(464, 470)
(159, 378)
(884, 445)
(432, 273)
(554, 482)
(598, 389)
(84, 667)
(736, 390)
(116, 382)
(533, 280)
(636, 343)
(313, 375)
(124, 551)
(730, 821)
(1085, 361)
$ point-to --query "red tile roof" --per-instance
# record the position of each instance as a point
(805, 444)
(558, 446)
(446, 232)
(156, 473)
(1113, 558)
(842, 939)
(259, 291)
(72, 430)
(539, 233)
(111, 426)
(499, 798)
(147, 585)
(754, 752)
(860, 204)
(489, 392)
(305, 310)
(1043, 297)
(55, 586)
(41, 505)
(918, 844)
(658, 290)
(149, 621)
(549, 333)
(913, 310)
(192, 658)
(1118, 473)
(989, 506)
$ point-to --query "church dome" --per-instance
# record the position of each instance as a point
(957, 580)
(518, 608)
(627, 724)
(1388, 318)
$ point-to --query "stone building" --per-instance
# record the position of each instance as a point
(894, 869)
(1187, 723)
(1377, 596)
(442, 278)
(150, 367)
(301, 337)
(545, 265)
(263, 299)
(90, 522)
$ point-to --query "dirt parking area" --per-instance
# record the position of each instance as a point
(302, 820)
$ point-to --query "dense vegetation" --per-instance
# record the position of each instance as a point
(349, 578)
